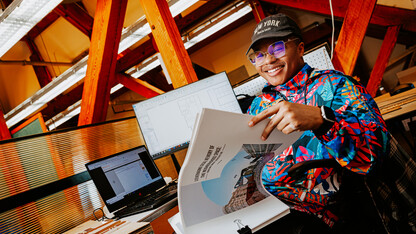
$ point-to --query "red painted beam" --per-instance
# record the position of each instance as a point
(4, 130)
(42, 72)
(77, 17)
(257, 10)
(391, 16)
(382, 15)
(101, 70)
(382, 59)
(42, 25)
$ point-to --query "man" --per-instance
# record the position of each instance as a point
(339, 118)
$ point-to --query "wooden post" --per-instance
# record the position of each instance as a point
(352, 34)
(105, 39)
(382, 59)
(169, 42)
(4, 130)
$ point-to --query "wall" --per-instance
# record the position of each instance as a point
(57, 44)
(17, 82)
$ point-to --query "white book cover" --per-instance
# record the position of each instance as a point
(220, 180)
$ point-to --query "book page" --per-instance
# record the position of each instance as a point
(221, 176)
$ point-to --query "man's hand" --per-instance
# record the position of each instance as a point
(289, 117)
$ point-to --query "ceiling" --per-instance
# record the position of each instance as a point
(61, 41)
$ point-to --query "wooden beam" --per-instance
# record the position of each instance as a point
(382, 59)
(146, 49)
(108, 23)
(221, 33)
(382, 15)
(62, 102)
(136, 56)
(200, 14)
(169, 42)
(30, 120)
(388, 16)
(352, 35)
(42, 72)
(4, 130)
(76, 16)
(42, 25)
(141, 87)
(257, 10)
(406, 38)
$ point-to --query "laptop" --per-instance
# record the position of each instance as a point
(129, 182)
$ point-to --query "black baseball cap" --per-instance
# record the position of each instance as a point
(279, 25)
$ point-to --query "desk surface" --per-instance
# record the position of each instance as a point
(397, 105)
(158, 217)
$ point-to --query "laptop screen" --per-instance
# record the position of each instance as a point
(125, 177)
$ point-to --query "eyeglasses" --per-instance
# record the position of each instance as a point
(277, 50)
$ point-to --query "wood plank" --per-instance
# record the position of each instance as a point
(77, 16)
(382, 59)
(169, 42)
(352, 35)
(382, 15)
(257, 10)
(108, 23)
(141, 87)
(42, 72)
(4, 130)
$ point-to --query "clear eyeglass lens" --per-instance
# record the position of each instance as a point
(255, 57)
(276, 49)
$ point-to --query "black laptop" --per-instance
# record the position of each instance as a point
(129, 182)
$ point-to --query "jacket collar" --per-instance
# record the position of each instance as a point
(294, 85)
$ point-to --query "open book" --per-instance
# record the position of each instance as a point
(220, 185)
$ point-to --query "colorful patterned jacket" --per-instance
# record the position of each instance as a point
(357, 139)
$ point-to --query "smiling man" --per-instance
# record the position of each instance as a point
(339, 118)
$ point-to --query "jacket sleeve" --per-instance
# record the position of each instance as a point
(359, 137)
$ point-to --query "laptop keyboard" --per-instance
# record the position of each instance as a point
(150, 202)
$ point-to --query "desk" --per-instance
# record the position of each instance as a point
(158, 218)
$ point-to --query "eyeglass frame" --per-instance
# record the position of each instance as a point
(267, 52)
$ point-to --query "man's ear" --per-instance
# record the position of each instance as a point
(301, 48)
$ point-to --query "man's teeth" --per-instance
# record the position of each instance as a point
(273, 70)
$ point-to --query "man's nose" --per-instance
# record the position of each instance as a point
(269, 58)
